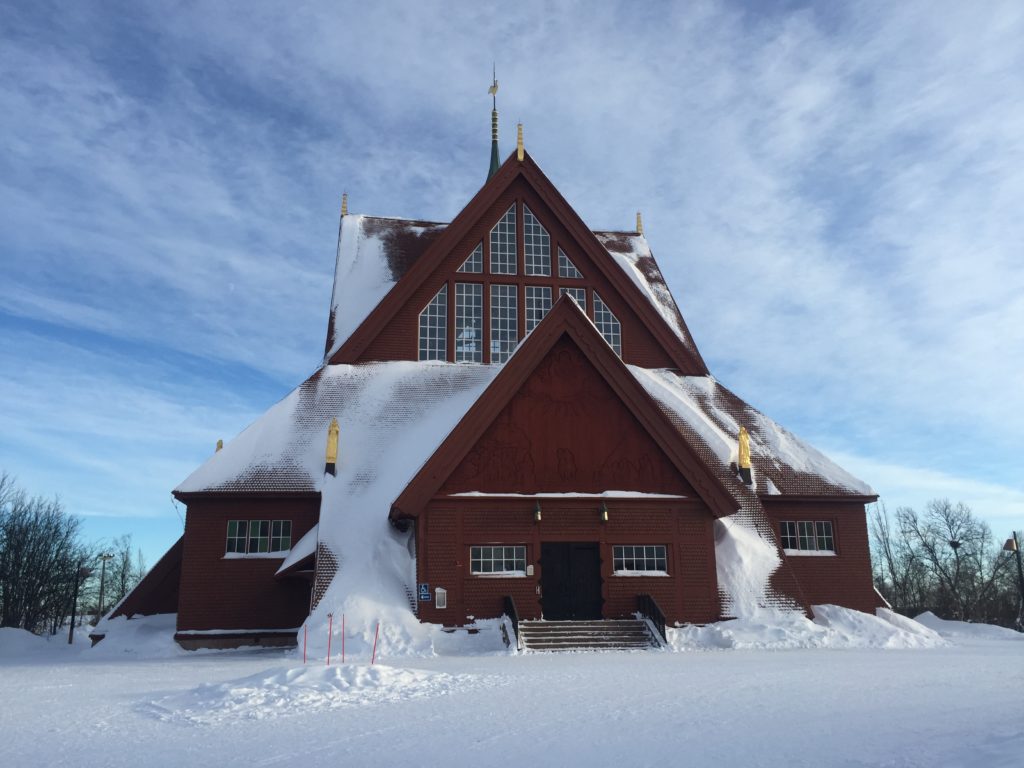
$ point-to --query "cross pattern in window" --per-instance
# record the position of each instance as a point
(469, 321)
(504, 321)
(280, 535)
(434, 327)
(608, 324)
(503, 244)
(639, 558)
(538, 304)
(498, 560)
(237, 535)
(807, 535)
(475, 262)
(579, 294)
(536, 245)
(258, 537)
(565, 267)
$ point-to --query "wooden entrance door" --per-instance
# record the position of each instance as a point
(570, 580)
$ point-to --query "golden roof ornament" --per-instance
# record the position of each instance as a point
(744, 448)
(332, 443)
(220, 444)
(519, 142)
(344, 203)
(639, 223)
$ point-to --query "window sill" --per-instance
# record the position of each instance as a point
(808, 553)
(502, 575)
(256, 555)
(633, 574)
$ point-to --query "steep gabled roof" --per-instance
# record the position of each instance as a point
(565, 319)
(637, 278)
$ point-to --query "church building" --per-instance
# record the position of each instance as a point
(511, 419)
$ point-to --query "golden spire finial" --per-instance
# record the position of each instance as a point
(220, 444)
(344, 203)
(639, 223)
(519, 142)
(332, 442)
(744, 461)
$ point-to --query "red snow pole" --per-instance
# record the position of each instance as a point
(375, 634)
(330, 629)
(343, 638)
(305, 634)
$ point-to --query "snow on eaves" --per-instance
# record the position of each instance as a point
(782, 462)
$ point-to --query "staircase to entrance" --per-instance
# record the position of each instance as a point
(600, 634)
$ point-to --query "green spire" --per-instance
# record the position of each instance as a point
(495, 161)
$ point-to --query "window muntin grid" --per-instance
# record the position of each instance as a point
(434, 327)
(469, 323)
(807, 536)
(475, 262)
(504, 321)
(496, 560)
(280, 535)
(538, 304)
(579, 294)
(259, 536)
(503, 244)
(536, 245)
(565, 267)
(237, 536)
(608, 324)
(639, 558)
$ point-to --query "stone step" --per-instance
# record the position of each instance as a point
(613, 634)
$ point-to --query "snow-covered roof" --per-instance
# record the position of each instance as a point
(374, 253)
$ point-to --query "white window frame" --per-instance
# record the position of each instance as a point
(810, 536)
(608, 324)
(503, 237)
(478, 556)
(252, 530)
(474, 263)
(567, 269)
(504, 334)
(432, 338)
(578, 294)
(619, 554)
(469, 307)
(538, 304)
(536, 246)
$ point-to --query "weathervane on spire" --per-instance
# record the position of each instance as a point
(493, 90)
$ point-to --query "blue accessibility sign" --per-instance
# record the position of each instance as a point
(425, 593)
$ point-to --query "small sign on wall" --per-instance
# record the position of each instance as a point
(424, 593)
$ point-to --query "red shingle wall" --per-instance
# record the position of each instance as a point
(219, 593)
(449, 527)
(844, 579)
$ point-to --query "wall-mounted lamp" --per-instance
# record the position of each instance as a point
(604, 512)
(536, 513)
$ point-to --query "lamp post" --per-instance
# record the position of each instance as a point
(81, 574)
(103, 557)
(1013, 545)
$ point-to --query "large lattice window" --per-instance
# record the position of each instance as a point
(497, 561)
(805, 537)
(504, 322)
(565, 267)
(259, 536)
(237, 536)
(434, 327)
(475, 262)
(608, 324)
(538, 304)
(579, 294)
(469, 323)
(536, 245)
(280, 535)
(503, 244)
(639, 559)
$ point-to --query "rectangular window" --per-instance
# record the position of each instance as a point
(807, 537)
(536, 245)
(434, 327)
(280, 535)
(504, 321)
(259, 536)
(607, 324)
(639, 559)
(497, 560)
(237, 535)
(469, 321)
(579, 294)
(503, 244)
(538, 304)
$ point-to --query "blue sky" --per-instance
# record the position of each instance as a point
(834, 198)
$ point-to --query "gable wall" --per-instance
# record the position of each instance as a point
(242, 593)
(566, 431)
(399, 340)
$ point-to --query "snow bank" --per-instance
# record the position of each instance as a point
(284, 691)
(141, 636)
(833, 627)
(744, 562)
(17, 643)
(960, 631)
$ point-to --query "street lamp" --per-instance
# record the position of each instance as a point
(81, 574)
(103, 577)
(1013, 545)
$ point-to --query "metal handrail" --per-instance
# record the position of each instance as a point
(513, 615)
(648, 607)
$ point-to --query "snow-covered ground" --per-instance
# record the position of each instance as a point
(956, 703)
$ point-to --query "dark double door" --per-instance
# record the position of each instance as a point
(570, 580)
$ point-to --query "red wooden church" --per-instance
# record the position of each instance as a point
(511, 417)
